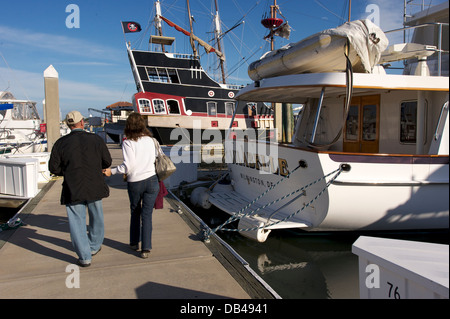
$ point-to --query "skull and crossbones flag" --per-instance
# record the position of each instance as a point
(131, 27)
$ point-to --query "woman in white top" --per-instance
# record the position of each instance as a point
(139, 155)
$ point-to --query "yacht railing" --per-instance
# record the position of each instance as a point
(439, 50)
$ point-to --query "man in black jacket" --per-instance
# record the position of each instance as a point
(81, 157)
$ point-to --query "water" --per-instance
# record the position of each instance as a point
(7, 213)
(299, 265)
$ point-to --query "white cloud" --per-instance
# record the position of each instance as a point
(58, 44)
(72, 94)
(92, 75)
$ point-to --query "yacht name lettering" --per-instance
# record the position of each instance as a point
(265, 164)
(256, 180)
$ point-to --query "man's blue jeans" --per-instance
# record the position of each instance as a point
(142, 196)
(86, 239)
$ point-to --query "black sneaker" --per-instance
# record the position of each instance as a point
(83, 263)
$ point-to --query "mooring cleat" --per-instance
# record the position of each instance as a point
(204, 235)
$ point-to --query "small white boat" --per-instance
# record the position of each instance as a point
(23, 151)
(370, 151)
(20, 126)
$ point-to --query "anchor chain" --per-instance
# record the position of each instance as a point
(208, 231)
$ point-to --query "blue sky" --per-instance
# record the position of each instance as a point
(92, 61)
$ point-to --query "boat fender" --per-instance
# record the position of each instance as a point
(260, 235)
(200, 198)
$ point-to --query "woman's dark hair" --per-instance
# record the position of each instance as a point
(136, 127)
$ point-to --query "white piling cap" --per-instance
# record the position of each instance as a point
(50, 72)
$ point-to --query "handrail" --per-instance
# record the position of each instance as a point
(440, 35)
(444, 108)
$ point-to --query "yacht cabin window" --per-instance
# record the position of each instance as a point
(408, 121)
(24, 111)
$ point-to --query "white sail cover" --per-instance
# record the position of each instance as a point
(325, 52)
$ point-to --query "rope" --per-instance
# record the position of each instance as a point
(13, 223)
(207, 232)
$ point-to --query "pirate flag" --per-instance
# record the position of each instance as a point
(131, 27)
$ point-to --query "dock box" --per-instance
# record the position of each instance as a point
(43, 157)
(401, 269)
(19, 177)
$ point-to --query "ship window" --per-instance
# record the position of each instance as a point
(163, 76)
(229, 108)
(408, 121)
(159, 107)
(173, 106)
(152, 75)
(212, 108)
(144, 106)
(173, 75)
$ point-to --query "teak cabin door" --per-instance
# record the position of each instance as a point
(362, 128)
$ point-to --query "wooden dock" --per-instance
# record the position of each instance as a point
(36, 260)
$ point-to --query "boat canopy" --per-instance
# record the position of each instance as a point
(6, 106)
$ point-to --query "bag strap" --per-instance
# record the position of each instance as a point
(157, 147)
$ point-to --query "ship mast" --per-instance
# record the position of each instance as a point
(272, 23)
(219, 45)
(273, 15)
(192, 29)
(159, 22)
